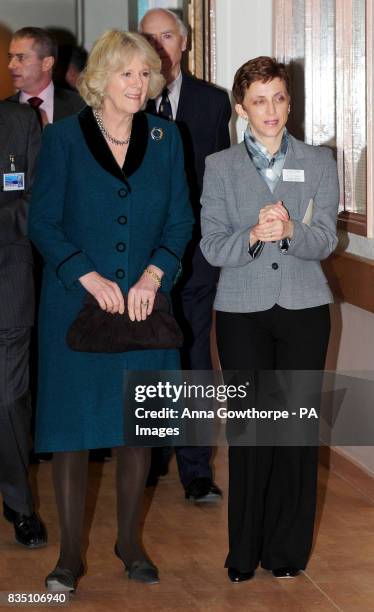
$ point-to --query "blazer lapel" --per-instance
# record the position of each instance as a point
(248, 180)
(151, 107)
(294, 161)
(185, 101)
(5, 132)
(253, 179)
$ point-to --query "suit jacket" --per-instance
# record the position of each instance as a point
(232, 196)
(65, 103)
(19, 137)
(203, 117)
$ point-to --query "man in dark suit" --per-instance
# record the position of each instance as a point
(19, 146)
(32, 55)
(202, 112)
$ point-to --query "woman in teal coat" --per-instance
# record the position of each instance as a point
(110, 215)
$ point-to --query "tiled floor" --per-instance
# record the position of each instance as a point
(188, 542)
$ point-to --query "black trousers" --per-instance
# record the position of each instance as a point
(272, 490)
(15, 416)
(193, 307)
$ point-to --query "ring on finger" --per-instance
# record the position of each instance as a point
(144, 303)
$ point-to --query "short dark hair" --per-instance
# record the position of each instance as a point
(45, 44)
(262, 68)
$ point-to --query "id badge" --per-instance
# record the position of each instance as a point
(293, 175)
(13, 181)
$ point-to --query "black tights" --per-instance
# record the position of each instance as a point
(70, 483)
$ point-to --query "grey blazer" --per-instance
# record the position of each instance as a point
(233, 194)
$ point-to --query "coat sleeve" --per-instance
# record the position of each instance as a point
(47, 211)
(319, 239)
(177, 230)
(13, 215)
(220, 244)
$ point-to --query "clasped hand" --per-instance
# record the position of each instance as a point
(140, 299)
(273, 224)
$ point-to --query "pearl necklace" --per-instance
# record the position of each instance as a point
(105, 133)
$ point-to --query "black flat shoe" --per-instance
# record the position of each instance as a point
(285, 572)
(202, 490)
(141, 571)
(236, 576)
(28, 529)
(63, 579)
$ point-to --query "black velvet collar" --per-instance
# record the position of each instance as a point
(102, 153)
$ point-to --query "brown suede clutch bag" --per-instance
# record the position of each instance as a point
(97, 331)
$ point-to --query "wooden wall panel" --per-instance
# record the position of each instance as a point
(351, 279)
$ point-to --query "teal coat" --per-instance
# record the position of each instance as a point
(89, 214)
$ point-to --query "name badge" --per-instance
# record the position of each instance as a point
(14, 181)
(293, 176)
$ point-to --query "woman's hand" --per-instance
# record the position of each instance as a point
(142, 295)
(273, 224)
(273, 231)
(107, 293)
(270, 212)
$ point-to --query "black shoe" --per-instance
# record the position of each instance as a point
(236, 576)
(202, 490)
(29, 529)
(100, 455)
(35, 458)
(63, 579)
(285, 572)
(141, 571)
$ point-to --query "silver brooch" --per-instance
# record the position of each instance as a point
(157, 133)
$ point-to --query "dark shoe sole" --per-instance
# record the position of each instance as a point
(61, 580)
(286, 576)
(55, 586)
(208, 498)
(31, 546)
(237, 577)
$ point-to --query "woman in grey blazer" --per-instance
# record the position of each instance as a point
(269, 209)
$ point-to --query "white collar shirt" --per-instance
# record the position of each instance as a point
(174, 90)
(47, 95)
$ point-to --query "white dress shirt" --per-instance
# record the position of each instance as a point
(47, 95)
(174, 90)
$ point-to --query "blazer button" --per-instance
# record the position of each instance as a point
(274, 266)
(120, 273)
(122, 192)
(122, 220)
(120, 246)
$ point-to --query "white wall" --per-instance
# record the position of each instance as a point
(244, 31)
(17, 14)
(101, 15)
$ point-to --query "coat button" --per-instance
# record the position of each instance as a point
(120, 246)
(122, 220)
(274, 266)
(122, 192)
(120, 273)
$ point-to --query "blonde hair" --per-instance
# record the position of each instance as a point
(110, 52)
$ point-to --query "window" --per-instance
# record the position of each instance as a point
(325, 44)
